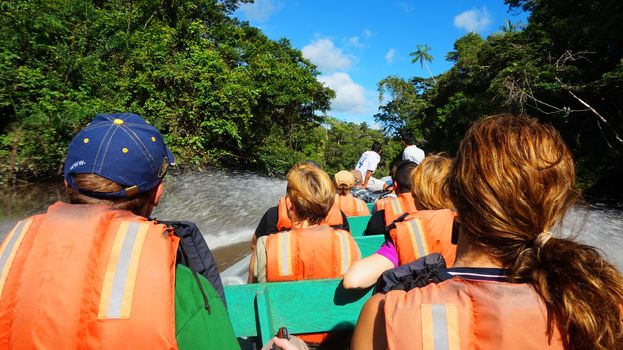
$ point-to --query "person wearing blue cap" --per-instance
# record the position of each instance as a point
(99, 273)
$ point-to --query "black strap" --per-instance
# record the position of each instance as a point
(392, 226)
(195, 275)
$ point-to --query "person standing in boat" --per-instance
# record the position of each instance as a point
(98, 273)
(311, 249)
(411, 152)
(366, 166)
(515, 284)
(344, 200)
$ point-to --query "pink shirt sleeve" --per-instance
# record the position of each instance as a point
(389, 251)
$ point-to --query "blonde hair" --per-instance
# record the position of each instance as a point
(311, 191)
(511, 181)
(428, 183)
(96, 183)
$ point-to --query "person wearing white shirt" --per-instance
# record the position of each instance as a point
(411, 151)
(367, 165)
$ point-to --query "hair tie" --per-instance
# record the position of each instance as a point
(542, 238)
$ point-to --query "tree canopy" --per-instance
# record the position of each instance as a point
(564, 67)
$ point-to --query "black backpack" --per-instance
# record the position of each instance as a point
(416, 274)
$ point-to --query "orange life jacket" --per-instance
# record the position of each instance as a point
(334, 217)
(87, 277)
(380, 203)
(395, 207)
(425, 232)
(466, 314)
(309, 253)
(351, 206)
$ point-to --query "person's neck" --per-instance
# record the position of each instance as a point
(302, 224)
(472, 255)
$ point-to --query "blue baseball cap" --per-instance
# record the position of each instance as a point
(123, 148)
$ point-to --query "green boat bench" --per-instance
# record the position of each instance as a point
(258, 310)
(358, 224)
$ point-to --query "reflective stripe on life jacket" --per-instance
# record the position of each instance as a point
(351, 206)
(88, 276)
(425, 232)
(395, 207)
(309, 253)
(333, 219)
(465, 314)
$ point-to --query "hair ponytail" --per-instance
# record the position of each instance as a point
(584, 292)
(512, 180)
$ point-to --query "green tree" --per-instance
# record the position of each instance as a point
(421, 55)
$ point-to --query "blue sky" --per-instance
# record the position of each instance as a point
(355, 44)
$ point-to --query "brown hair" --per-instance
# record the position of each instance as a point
(343, 189)
(428, 183)
(96, 183)
(311, 191)
(512, 181)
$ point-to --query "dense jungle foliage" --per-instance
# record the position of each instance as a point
(564, 67)
(220, 91)
(226, 95)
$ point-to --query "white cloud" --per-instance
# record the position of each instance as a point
(475, 20)
(349, 96)
(260, 10)
(367, 33)
(355, 42)
(326, 56)
(389, 56)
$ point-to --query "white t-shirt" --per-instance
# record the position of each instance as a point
(369, 161)
(413, 153)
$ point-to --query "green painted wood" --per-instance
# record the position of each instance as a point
(368, 245)
(264, 312)
(370, 206)
(241, 307)
(302, 306)
(257, 310)
(358, 224)
(314, 306)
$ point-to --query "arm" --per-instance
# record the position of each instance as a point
(366, 178)
(369, 332)
(257, 268)
(364, 273)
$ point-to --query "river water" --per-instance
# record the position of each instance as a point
(228, 205)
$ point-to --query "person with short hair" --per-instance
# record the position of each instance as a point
(311, 249)
(411, 152)
(391, 208)
(516, 283)
(98, 272)
(366, 166)
(344, 200)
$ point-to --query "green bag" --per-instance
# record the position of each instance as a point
(195, 327)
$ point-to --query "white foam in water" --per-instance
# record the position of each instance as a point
(227, 207)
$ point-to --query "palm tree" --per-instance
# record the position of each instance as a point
(422, 55)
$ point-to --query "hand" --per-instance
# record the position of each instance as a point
(284, 344)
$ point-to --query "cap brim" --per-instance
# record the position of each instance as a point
(170, 156)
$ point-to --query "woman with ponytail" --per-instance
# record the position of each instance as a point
(515, 282)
